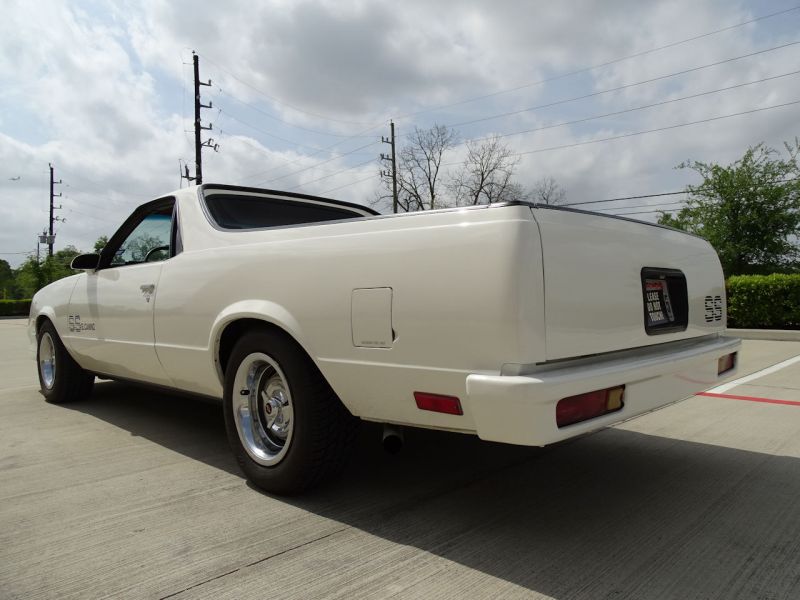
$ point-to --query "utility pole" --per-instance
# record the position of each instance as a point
(390, 140)
(51, 236)
(198, 126)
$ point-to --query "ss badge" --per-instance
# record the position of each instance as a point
(713, 308)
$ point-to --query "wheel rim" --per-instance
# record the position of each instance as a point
(47, 361)
(262, 409)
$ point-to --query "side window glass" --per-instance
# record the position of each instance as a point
(149, 242)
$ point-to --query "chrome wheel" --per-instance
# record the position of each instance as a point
(262, 409)
(47, 361)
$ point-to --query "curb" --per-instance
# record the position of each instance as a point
(780, 335)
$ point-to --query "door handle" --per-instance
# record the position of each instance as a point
(147, 290)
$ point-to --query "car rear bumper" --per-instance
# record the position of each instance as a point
(521, 409)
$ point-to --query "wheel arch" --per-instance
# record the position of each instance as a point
(39, 315)
(244, 316)
(41, 318)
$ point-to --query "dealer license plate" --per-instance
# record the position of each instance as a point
(658, 307)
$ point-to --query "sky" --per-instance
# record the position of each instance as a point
(303, 91)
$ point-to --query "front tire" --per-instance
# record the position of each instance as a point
(287, 428)
(60, 377)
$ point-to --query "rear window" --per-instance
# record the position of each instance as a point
(236, 211)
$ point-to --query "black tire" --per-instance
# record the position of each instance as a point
(323, 432)
(69, 382)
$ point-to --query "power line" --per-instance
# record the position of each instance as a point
(299, 159)
(507, 90)
(638, 206)
(644, 212)
(84, 203)
(338, 156)
(687, 191)
(94, 185)
(339, 187)
(265, 152)
(600, 65)
(285, 122)
(621, 87)
(564, 101)
(281, 102)
(635, 108)
(558, 102)
(366, 162)
(267, 133)
(643, 132)
(625, 198)
(657, 129)
(183, 97)
(95, 217)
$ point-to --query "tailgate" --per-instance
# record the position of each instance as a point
(612, 284)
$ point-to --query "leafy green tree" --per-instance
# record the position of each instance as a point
(6, 280)
(64, 257)
(33, 275)
(749, 210)
(101, 243)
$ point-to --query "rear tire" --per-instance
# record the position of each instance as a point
(60, 377)
(287, 428)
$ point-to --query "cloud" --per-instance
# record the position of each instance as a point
(103, 92)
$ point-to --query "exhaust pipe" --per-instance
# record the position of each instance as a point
(392, 439)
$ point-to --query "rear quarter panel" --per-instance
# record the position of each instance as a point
(459, 288)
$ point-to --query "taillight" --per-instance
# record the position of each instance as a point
(575, 409)
(726, 363)
(437, 403)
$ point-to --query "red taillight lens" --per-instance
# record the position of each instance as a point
(575, 409)
(726, 363)
(437, 403)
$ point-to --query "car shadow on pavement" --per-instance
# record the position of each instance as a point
(616, 514)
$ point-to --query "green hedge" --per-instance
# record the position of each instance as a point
(764, 301)
(14, 308)
(754, 301)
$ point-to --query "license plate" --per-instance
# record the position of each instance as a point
(658, 307)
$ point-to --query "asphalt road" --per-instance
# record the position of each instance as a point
(133, 494)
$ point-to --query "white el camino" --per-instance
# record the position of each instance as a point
(519, 323)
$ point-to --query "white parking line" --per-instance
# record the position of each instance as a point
(721, 389)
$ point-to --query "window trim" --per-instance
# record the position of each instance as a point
(127, 227)
(175, 237)
(362, 212)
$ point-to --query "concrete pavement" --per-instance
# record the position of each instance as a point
(134, 494)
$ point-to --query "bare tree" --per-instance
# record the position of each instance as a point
(419, 164)
(485, 176)
(548, 191)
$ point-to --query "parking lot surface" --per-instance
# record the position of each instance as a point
(134, 494)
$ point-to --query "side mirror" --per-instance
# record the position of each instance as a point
(85, 262)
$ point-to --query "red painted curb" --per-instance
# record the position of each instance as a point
(751, 399)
